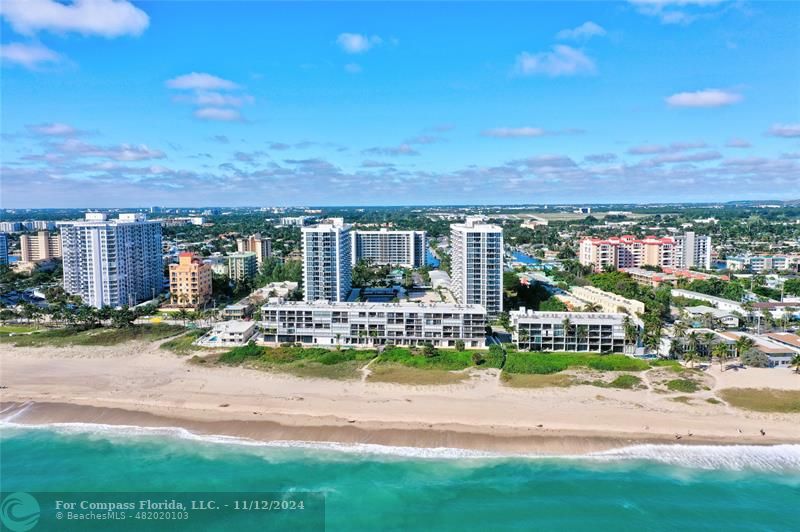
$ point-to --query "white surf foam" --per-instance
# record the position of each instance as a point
(712, 457)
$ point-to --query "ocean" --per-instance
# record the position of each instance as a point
(381, 488)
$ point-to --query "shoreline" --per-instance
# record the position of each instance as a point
(500, 441)
(138, 384)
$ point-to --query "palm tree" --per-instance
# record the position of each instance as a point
(743, 345)
(592, 307)
(524, 336)
(795, 363)
(631, 331)
(692, 341)
(720, 351)
(708, 342)
(566, 324)
(183, 315)
(690, 356)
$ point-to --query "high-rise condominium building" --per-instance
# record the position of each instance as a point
(39, 247)
(398, 248)
(476, 271)
(3, 249)
(189, 281)
(111, 263)
(693, 251)
(627, 251)
(242, 266)
(327, 268)
(261, 246)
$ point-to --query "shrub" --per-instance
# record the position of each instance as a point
(237, 355)
(477, 358)
(683, 385)
(755, 359)
(627, 382)
(459, 345)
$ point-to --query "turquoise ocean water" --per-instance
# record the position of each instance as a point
(370, 488)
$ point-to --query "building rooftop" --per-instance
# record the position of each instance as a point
(234, 326)
(375, 306)
(701, 309)
(787, 338)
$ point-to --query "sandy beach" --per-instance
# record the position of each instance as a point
(139, 384)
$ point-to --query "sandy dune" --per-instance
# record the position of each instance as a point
(138, 384)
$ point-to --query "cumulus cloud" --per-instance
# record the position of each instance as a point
(218, 114)
(123, 152)
(53, 129)
(106, 18)
(676, 11)
(651, 149)
(392, 151)
(704, 98)
(513, 132)
(586, 30)
(356, 43)
(785, 130)
(695, 157)
(30, 56)
(200, 81)
(214, 98)
(737, 143)
(601, 158)
(561, 60)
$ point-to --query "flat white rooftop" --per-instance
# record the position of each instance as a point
(376, 306)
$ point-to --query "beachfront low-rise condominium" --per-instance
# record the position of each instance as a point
(568, 331)
(111, 263)
(627, 251)
(476, 264)
(396, 248)
(366, 324)
(189, 281)
(327, 268)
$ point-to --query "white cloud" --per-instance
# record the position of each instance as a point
(356, 43)
(123, 152)
(53, 129)
(107, 18)
(216, 99)
(704, 98)
(200, 81)
(512, 132)
(587, 30)
(402, 149)
(561, 61)
(218, 113)
(651, 149)
(675, 11)
(30, 56)
(785, 130)
(738, 143)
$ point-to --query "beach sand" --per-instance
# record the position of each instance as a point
(139, 384)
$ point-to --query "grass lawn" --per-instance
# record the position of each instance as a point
(184, 344)
(301, 361)
(546, 363)
(104, 336)
(555, 380)
(444, 359)
(17, 329)
(401, 374)
(762, 399)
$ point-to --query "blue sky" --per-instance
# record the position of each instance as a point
(118, 103)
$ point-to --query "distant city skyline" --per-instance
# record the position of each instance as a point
(182, 104)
